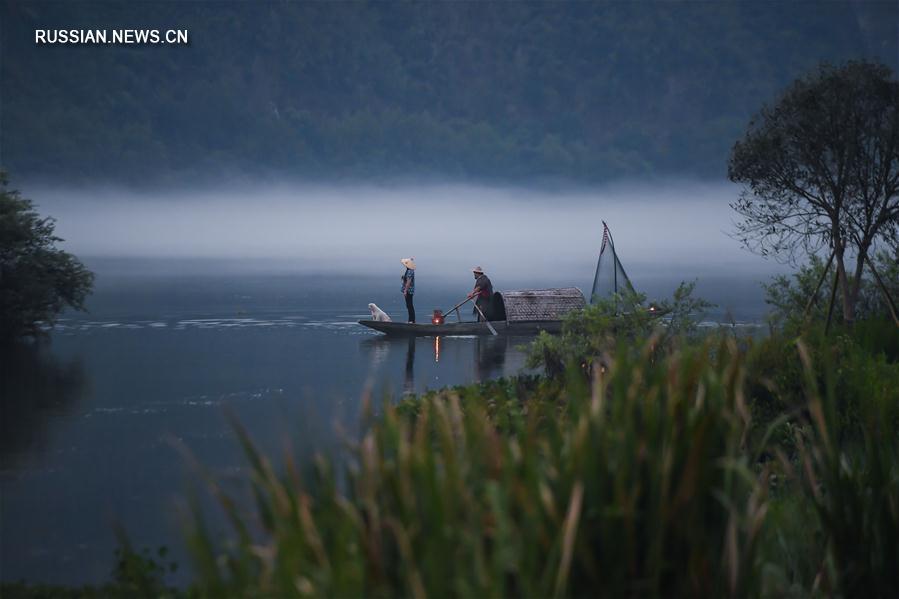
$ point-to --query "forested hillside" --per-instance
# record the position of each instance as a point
(576, 91)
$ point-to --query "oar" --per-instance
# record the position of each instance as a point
(457, 306)
(489, 326)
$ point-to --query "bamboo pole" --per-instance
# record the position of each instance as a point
(890, 304)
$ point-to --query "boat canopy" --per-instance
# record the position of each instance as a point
(541, 304)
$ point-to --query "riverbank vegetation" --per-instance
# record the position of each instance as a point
(37, 279)
(651, 461)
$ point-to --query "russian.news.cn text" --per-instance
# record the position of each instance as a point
(111, 36)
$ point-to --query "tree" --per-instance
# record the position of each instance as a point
(790, 297)
(821, 169)
(37, 280)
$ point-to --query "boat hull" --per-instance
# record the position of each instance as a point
(449, 329)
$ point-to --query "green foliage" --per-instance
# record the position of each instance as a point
(879, 336)
(142, 574)
(789, 296)
(636, 486)
(854, 483)
(37, 280)
(135, 575)
(793, 544)
(589, 334)
(862, 362)
(859, 366)
(829, 410)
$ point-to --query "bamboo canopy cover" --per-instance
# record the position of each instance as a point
(542, 304)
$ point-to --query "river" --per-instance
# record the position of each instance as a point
(93, 419)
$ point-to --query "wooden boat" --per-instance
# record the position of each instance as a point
(532, 310)
(458, 329)
(524, 312)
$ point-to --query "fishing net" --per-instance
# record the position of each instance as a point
(610, 276)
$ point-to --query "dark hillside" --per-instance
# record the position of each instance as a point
(579, 91)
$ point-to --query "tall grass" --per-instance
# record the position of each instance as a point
(649, 480)
(637, 485)
(853, 484)
(833, 529)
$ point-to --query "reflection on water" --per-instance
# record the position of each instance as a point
(484, 357)
(490, 356)
(409, 380)
(35, 387)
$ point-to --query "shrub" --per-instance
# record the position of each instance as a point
(135, 575)
(864, 381)
(590, 333)
(789, 296)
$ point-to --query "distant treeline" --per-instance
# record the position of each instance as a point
(582, 91)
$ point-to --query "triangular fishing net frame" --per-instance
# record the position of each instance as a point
(610, 278)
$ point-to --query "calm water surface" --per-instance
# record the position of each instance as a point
(91, 421)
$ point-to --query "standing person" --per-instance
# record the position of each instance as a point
(483, 289)
(409, 286)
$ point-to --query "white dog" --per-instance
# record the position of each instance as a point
(377, 314)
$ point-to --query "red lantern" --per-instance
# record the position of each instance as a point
(437, 318)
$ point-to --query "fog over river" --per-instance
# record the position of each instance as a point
(675, 228)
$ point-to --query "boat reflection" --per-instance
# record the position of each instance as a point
(490, 359)
(409, 381)
(441, 361)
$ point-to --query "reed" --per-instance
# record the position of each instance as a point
(636, 484)
(852, 480)
(835, 497)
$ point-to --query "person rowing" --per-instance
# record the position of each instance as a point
(483, 290)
